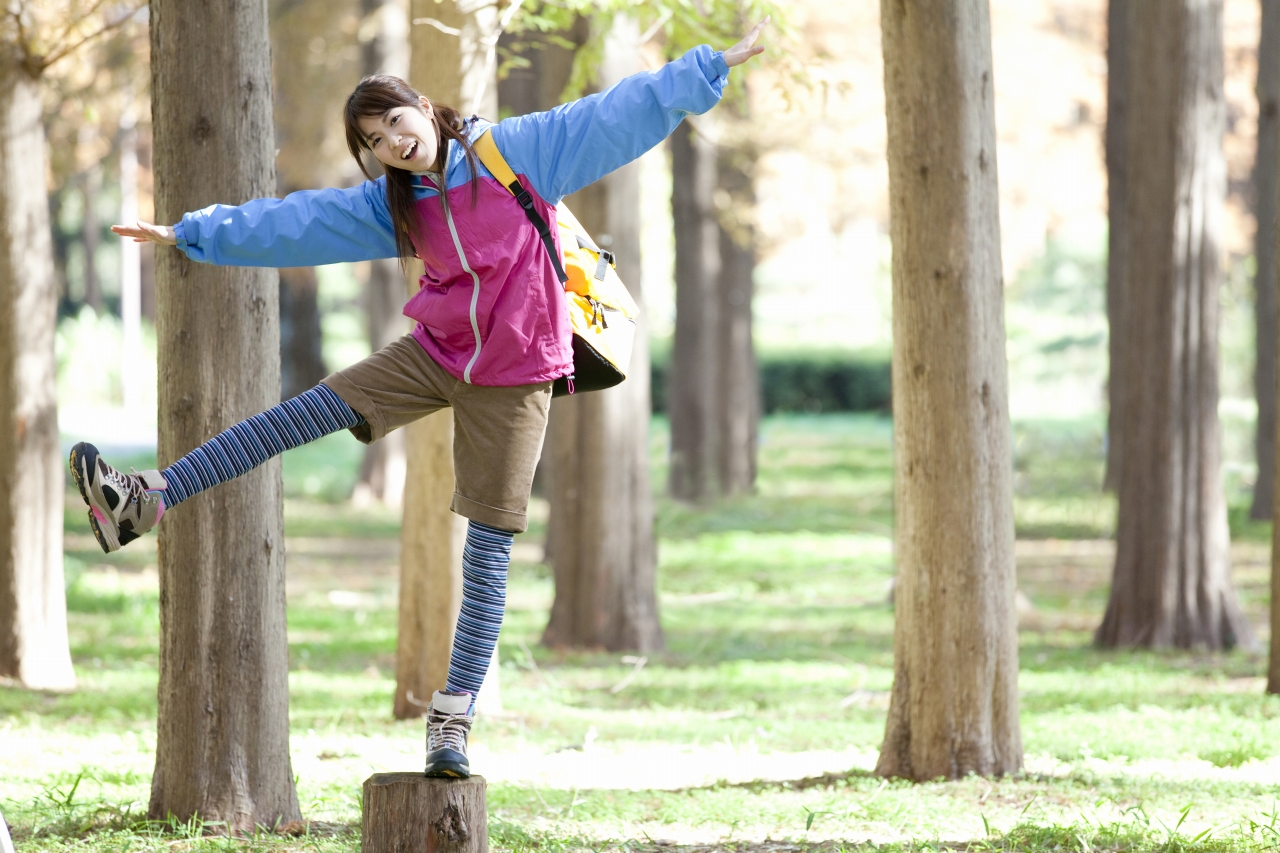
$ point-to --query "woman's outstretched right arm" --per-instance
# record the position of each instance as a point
(303, 229)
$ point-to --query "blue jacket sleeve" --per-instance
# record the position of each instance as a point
(302, 229)
(562, 150)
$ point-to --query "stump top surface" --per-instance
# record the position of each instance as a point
(416, 778)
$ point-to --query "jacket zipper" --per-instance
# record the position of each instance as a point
(475, 279)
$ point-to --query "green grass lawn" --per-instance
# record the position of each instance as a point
(755, 730)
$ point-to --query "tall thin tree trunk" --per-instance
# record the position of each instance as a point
(91, 189)
(1266, 179)
(535, 87)
(1118, 37)
(694, 391)
(1269, 106)
(301, 362)
(386, 51)
(307, 96)
(1172, 581)
(601, 504)
(737, 394)
(33, 617)
(131, 352)
(954, 705)
(222, 740)
(441, 67)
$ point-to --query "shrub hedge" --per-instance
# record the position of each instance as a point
(805, 381)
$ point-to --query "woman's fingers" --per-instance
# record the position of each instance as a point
(145, 232)
(745, 49)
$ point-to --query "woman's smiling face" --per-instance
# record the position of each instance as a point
(403, 137)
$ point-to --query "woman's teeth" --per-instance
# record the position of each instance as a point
(413, 148)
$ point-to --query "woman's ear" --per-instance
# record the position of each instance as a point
(426, 106)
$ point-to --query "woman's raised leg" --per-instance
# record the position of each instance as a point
(122, 506)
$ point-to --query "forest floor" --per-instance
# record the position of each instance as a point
(756, 730)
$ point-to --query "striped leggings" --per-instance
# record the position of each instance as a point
(314, 414)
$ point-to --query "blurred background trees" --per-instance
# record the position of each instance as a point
(764, 263)
(34, 40)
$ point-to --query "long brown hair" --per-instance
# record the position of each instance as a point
(373, 96)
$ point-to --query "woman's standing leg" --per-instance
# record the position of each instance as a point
(486, 556)
(498, 435)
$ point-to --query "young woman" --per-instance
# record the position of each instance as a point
(492, 334)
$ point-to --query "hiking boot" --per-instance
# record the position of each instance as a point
(122, 506)
(448, 723)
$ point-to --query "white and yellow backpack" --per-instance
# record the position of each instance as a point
(601, 310)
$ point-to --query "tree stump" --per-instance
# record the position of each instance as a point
(410, 813)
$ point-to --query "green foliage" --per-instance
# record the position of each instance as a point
(811, 381)
(680, 25)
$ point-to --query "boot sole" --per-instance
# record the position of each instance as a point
(447, 773)
(87, 453)
(81, 452)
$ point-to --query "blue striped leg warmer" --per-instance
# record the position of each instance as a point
(310, 415)
(485, 558)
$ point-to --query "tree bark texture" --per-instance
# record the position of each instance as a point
(694, 390)
(714, 387)
(1266, 180)
(222, 740)
(310, 86)
(1171, 584)
(33, 615)
(738, 394)
(301, 362)
(604, 558)
(1118, 36)
(385, 50)
(431, 535)
(408, 813)
(90, 191)
(383, 468)
(430, 567)
(954, 705)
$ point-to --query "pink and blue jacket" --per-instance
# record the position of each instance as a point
(490, 309)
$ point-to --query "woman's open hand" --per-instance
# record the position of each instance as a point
(145, 232)
(744, 50)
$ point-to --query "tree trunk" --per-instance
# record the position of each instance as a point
(386, 51)
(131, 350)
(407, 811)
(431, 569)
(714, 410)
(601, 504)
(954, 705)
(33, 616)
(222, 740)
(309, 89)
(1118, 38)
(1266, 179)
(694, 391)
(382, 471)
(91, 189)
(737, 394)
(535, 87)
(1172, 582)
(301, 362)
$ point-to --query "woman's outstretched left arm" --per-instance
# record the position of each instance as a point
(562, 150)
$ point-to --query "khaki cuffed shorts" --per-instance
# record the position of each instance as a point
(498, 431)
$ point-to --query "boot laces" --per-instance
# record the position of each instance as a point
(448, 730)
(129, 486)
